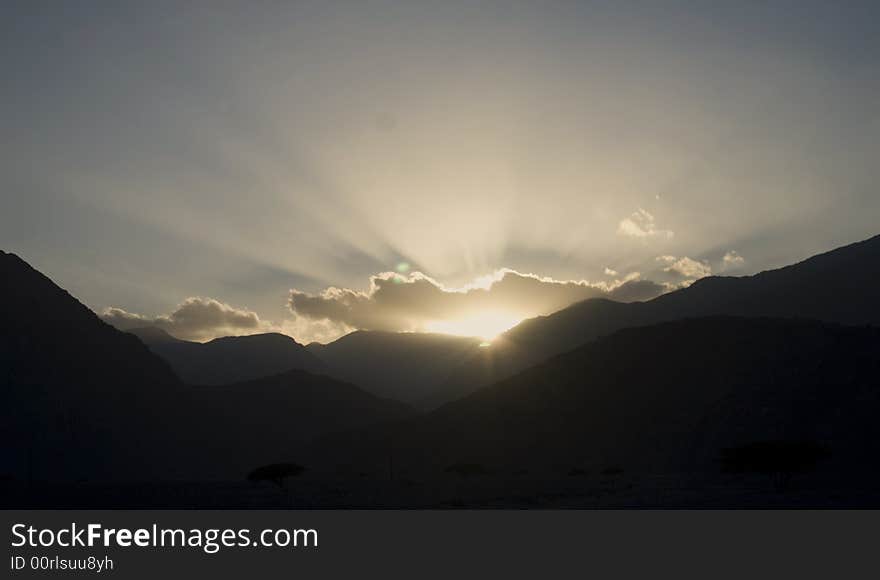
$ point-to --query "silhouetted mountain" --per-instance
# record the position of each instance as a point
(80, 400)
(272, 417)
(151, 335)
(408, 367)
(230, 359)
(78, 397)
(837, 286)
(663, 398)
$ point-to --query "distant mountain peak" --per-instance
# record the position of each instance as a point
(153, 334)
(230, 359)
(264, 337)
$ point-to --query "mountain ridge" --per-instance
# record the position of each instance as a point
(662, 398)
(407, 367)
(837, 288)
(93, 403)
(229, 359)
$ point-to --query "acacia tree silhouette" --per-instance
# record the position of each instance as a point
(277, 473)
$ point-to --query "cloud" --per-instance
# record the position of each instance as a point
(683, 271)
(610, 272)
(306, 330)
(641, 224)
(732, 261)
(196, 318)
(416, 302)
(411, 302)
(124, 320)
(686, 267)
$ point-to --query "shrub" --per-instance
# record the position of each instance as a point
(276, 473)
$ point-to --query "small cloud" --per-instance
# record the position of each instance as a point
(732, 261)
(641, 224)
(306, 330)
(196, 318)
(686, 268)
(124, 320)
(610, 272)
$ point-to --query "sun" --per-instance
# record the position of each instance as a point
(485, 325)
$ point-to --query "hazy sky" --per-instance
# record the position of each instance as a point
(194, 162)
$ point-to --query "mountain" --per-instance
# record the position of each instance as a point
(837, 286)
(270, 418)
(666, 398)
(230, 359)
(82, 401)
(408, 367)
(78, 397)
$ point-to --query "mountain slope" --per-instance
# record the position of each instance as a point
(837, 286)
(82, 401)
(270, 418)
(76, 394)
(230, 359)
(408, 367)
(663, 398)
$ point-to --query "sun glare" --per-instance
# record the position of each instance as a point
(485, 325)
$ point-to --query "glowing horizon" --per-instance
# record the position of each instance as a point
(484, 325)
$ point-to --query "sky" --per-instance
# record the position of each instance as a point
(316, 167)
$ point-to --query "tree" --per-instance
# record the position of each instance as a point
(276, 473)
